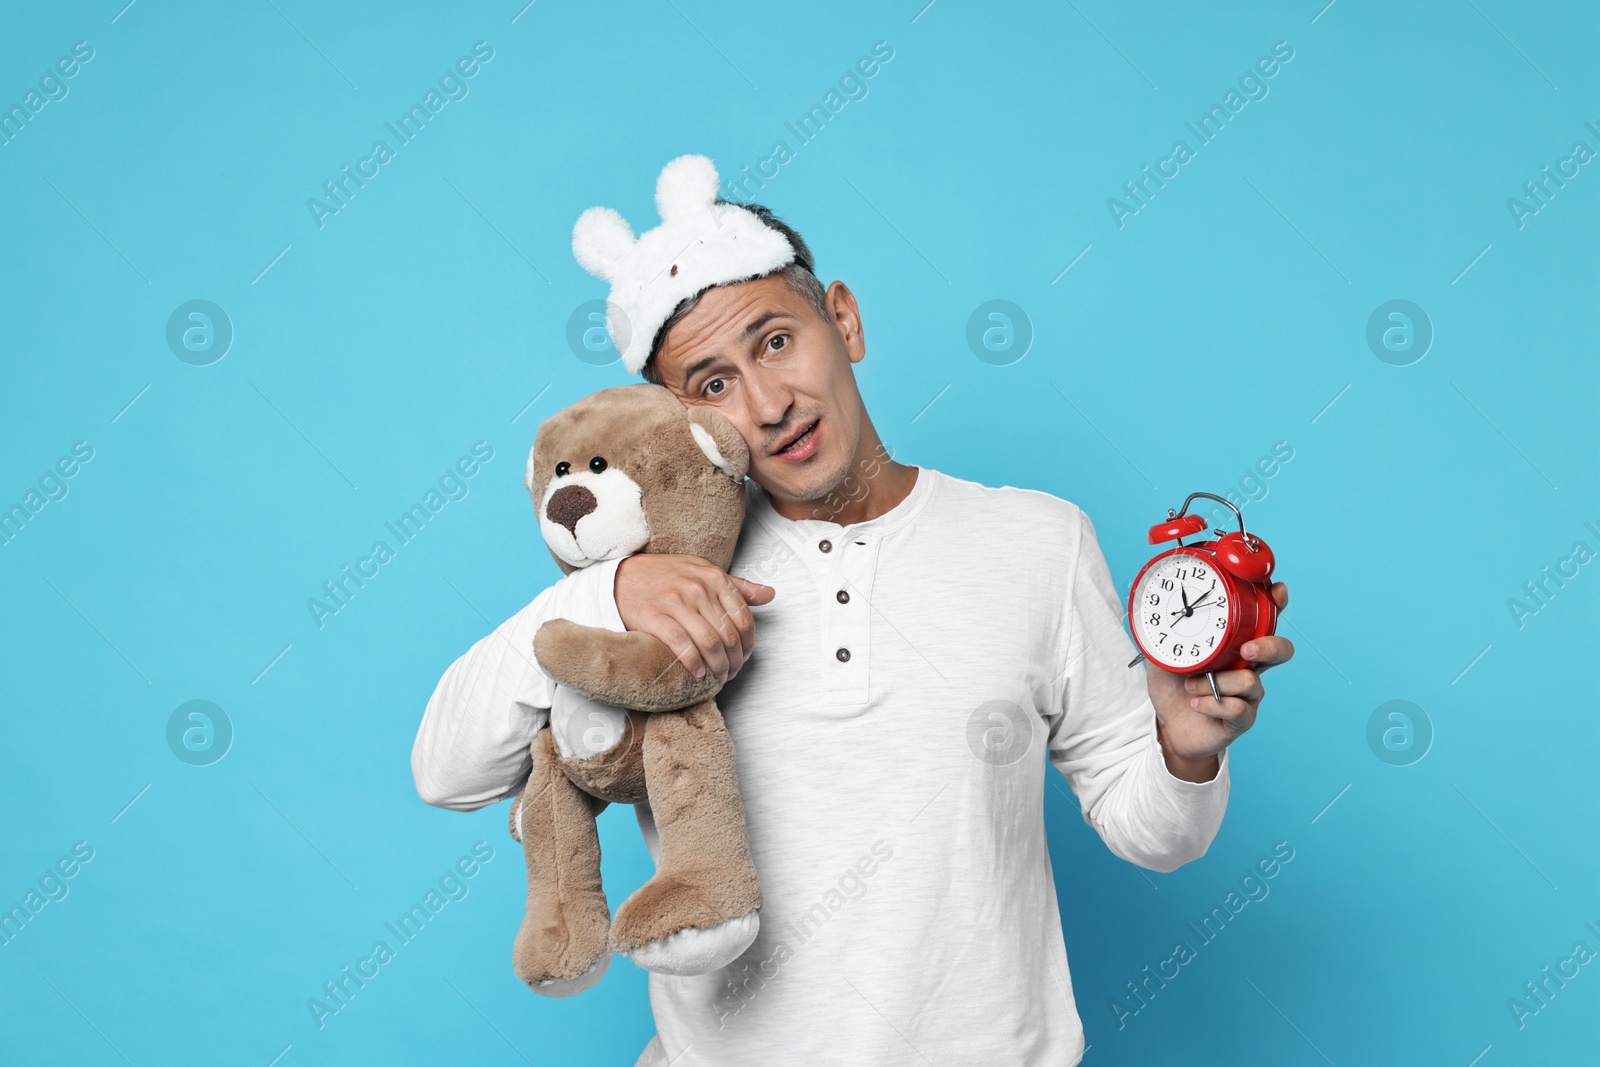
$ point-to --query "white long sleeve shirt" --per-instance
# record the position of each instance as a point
(911, 679)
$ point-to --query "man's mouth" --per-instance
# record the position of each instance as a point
(801, 445)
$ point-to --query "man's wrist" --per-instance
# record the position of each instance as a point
(1199, 771)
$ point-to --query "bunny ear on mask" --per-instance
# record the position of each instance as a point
(700, 243)
(687, 185)
(602, 240)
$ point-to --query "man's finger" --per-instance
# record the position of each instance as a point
(1280, 595)
(753, 592)
(733, 606)
(682, 645)
(1265, 652)
(1239, 714)
(725, 612)
(709, 642)
(1243, 684)
(725, 619)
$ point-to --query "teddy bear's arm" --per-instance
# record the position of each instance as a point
(630, 670)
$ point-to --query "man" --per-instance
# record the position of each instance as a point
(927, 644)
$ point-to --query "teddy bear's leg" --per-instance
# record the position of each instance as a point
(561, 948)
(700, 910)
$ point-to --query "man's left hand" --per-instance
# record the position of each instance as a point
(1194, 726)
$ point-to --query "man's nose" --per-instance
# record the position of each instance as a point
(770, 397)
(569, 504)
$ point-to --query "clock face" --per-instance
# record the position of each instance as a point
(1181, 612)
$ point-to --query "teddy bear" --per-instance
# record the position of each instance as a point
(625, 470)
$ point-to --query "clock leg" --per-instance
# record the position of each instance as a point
(1215, 693)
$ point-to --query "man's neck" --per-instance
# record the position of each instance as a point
(874, 485)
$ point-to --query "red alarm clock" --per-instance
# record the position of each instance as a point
(1193, 607)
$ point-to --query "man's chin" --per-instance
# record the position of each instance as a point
(807, 482)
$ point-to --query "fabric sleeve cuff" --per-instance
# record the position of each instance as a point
(603, 593)
(1218, 783)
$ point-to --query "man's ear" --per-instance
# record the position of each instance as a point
(847, 320)
(720, 442)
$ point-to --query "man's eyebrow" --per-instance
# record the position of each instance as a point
(757, 323)
(697, 366)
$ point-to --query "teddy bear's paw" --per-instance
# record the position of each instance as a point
(695, 951)
(566, 987)
(563, 943)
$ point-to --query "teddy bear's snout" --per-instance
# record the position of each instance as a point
(593, 515)
(569, 504)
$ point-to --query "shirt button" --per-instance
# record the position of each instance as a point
(842, 596)
(844, 655)
(825, 546)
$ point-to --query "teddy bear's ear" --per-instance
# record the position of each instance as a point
(528, 474)
(720, 442)
(602, 241)
(687, 184)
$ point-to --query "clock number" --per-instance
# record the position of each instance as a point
(1162, 639)
(1222, 624)
(1166, 583)
(1155, 619)
(1194, 650)
(1222, 601)
(1153, 600)
(1182, 574)
(1200, 573)
(1212, 641)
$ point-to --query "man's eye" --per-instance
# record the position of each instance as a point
(779, 341)
(716, 385)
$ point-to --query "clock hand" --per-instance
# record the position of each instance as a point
(1188, 608)
(1203, 596)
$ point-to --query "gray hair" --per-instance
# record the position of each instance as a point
(800, 276)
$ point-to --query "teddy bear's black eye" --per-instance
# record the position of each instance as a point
(562, 468)
(597, 464)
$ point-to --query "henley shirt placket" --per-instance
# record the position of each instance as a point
(842, 562)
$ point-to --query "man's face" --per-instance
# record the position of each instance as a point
(765, 359)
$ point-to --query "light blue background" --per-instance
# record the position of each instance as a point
(1224, 317)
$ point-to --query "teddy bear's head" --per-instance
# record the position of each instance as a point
(630, 469)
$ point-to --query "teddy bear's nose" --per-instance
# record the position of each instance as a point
(569, 504)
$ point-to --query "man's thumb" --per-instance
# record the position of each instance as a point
(753, 592)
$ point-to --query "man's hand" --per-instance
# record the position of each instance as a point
(693, 607)
(1192, 725)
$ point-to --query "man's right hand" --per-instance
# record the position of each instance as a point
(693, 607)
